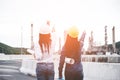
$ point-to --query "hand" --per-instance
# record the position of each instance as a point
(60, 78)
(60, 75)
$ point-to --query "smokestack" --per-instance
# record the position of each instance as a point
(32, 44)
(113, 36)
(106, 47)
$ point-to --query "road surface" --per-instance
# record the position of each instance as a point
(9, 70)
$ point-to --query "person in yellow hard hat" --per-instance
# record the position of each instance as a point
(71, 56)
(73, 32)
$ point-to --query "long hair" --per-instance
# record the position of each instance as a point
(72, 47)
(45, 42)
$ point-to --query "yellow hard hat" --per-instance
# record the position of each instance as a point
(73, 32)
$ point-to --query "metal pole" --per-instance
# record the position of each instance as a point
(21, 40)
(32, 36)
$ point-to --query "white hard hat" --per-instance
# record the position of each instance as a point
(45, 29)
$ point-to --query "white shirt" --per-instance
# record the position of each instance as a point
(47, 58)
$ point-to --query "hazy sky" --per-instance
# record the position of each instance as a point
(16, 16)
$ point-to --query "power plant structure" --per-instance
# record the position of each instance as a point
(102, 49)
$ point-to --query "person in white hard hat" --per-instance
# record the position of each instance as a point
(71, 56)
(45, 37)
(44, 55)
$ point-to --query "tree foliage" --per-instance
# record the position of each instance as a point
(6, 49)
